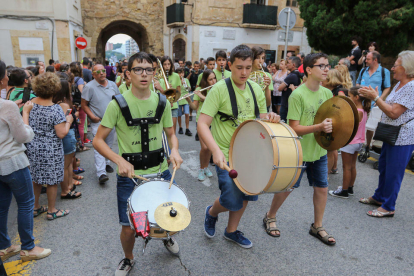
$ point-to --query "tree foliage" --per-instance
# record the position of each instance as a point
(331, 24)
(109, 54)
(117, 45)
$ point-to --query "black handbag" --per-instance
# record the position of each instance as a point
(388, 133)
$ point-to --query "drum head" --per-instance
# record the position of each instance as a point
(252, 156)
(148, 196)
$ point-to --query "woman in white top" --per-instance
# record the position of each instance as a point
(398, 110)
(278, 79)
(15, 177)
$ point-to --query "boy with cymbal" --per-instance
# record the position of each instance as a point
(136, 139)
(304, 102)
(229, 103)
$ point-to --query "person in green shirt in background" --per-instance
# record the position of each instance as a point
(183, 107)
(221, 60)
(121, 78)
(208, 79)
(141, 102)
(231, 200)
(211, 63)
(174, 82)
(259, 58)
(304, 102)
(125, 86)
(21, 79)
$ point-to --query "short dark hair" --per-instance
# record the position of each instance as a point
(188, 63)
(181, 59)
(310, 60)
(357, 39)
(376, 55)
(126, 64)
(179, 70)
(221, 54)
(106, 62)
(257, 51)
(139, 57)
(2, 69)
(51, 61)
(152, 57)
(196, 62)
(50, 68)
(296, 61)
(17, 77)
(373, 43)
(210, 59)
(206, 74)
(242, 52)
(86, 61)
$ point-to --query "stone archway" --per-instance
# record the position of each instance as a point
(179, 48)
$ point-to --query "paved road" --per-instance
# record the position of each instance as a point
(87, 241)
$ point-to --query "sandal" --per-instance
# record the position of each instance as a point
(378, 214)
(315, 232)
(334, 171)
(77, 183)
(269, 230)
(77, 177)
(369, 200)
(83, 149)
(71, 195)
(55, 216)
(10, 254)
(79, 170)
(39, 211)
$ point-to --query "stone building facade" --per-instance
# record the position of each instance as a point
(39, 30)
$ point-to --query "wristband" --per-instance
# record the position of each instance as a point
(376, 98)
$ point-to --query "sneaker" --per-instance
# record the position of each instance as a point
(238, 238)
(172, 246)
(124, 267)
(201, 175)
(180, 131)
(196, 137)
(188, 132)
(339, 193)
(351, 191)
(208, 172)
(103, 178)
(109, 169)
(87, 141)
(210, 224)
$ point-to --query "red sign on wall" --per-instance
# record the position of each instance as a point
(81, 43)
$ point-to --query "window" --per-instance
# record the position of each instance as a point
(291, 3)
(258, 2)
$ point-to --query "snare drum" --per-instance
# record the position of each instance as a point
(267, 157)
(148, 196)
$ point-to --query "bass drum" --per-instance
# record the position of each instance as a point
(267, 157)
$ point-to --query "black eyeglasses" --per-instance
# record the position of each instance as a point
(139, 70)
(322, 66)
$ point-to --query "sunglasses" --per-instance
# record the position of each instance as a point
(100, 71)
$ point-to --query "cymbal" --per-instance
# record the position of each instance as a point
(345, 121)
(164, 216)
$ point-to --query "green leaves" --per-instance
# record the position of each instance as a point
(332, 24)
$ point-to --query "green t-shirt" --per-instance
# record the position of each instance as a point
(199, 79)
(303, 105)
(123, 88)
(218, 99)
(271, 81)
(227, 74)
(184, 92)
(117, 79)
(17, 94)
(175, 82)
(129, 138)
(200, 103)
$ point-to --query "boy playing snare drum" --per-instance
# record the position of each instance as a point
(249, 102)
(137, 138)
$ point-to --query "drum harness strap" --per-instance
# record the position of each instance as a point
(225, 117)
(146, 159)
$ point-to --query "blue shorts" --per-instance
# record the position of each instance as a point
(183, 109)
(124, 188)
(231, 197)
(317, 172)
(69, 142)
(174, 113)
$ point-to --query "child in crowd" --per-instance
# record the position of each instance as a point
(183, 107)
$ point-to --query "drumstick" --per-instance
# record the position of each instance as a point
(140, 177)
(232, 173)
(172, 178)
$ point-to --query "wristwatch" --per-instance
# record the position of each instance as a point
(376, 98)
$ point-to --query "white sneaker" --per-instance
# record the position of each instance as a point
(208, 172)
(172, 246)
(124, 267)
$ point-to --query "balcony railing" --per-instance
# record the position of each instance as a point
(175, 15)
(259, 16)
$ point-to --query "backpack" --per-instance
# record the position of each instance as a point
(76, 94)
(382, 76)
